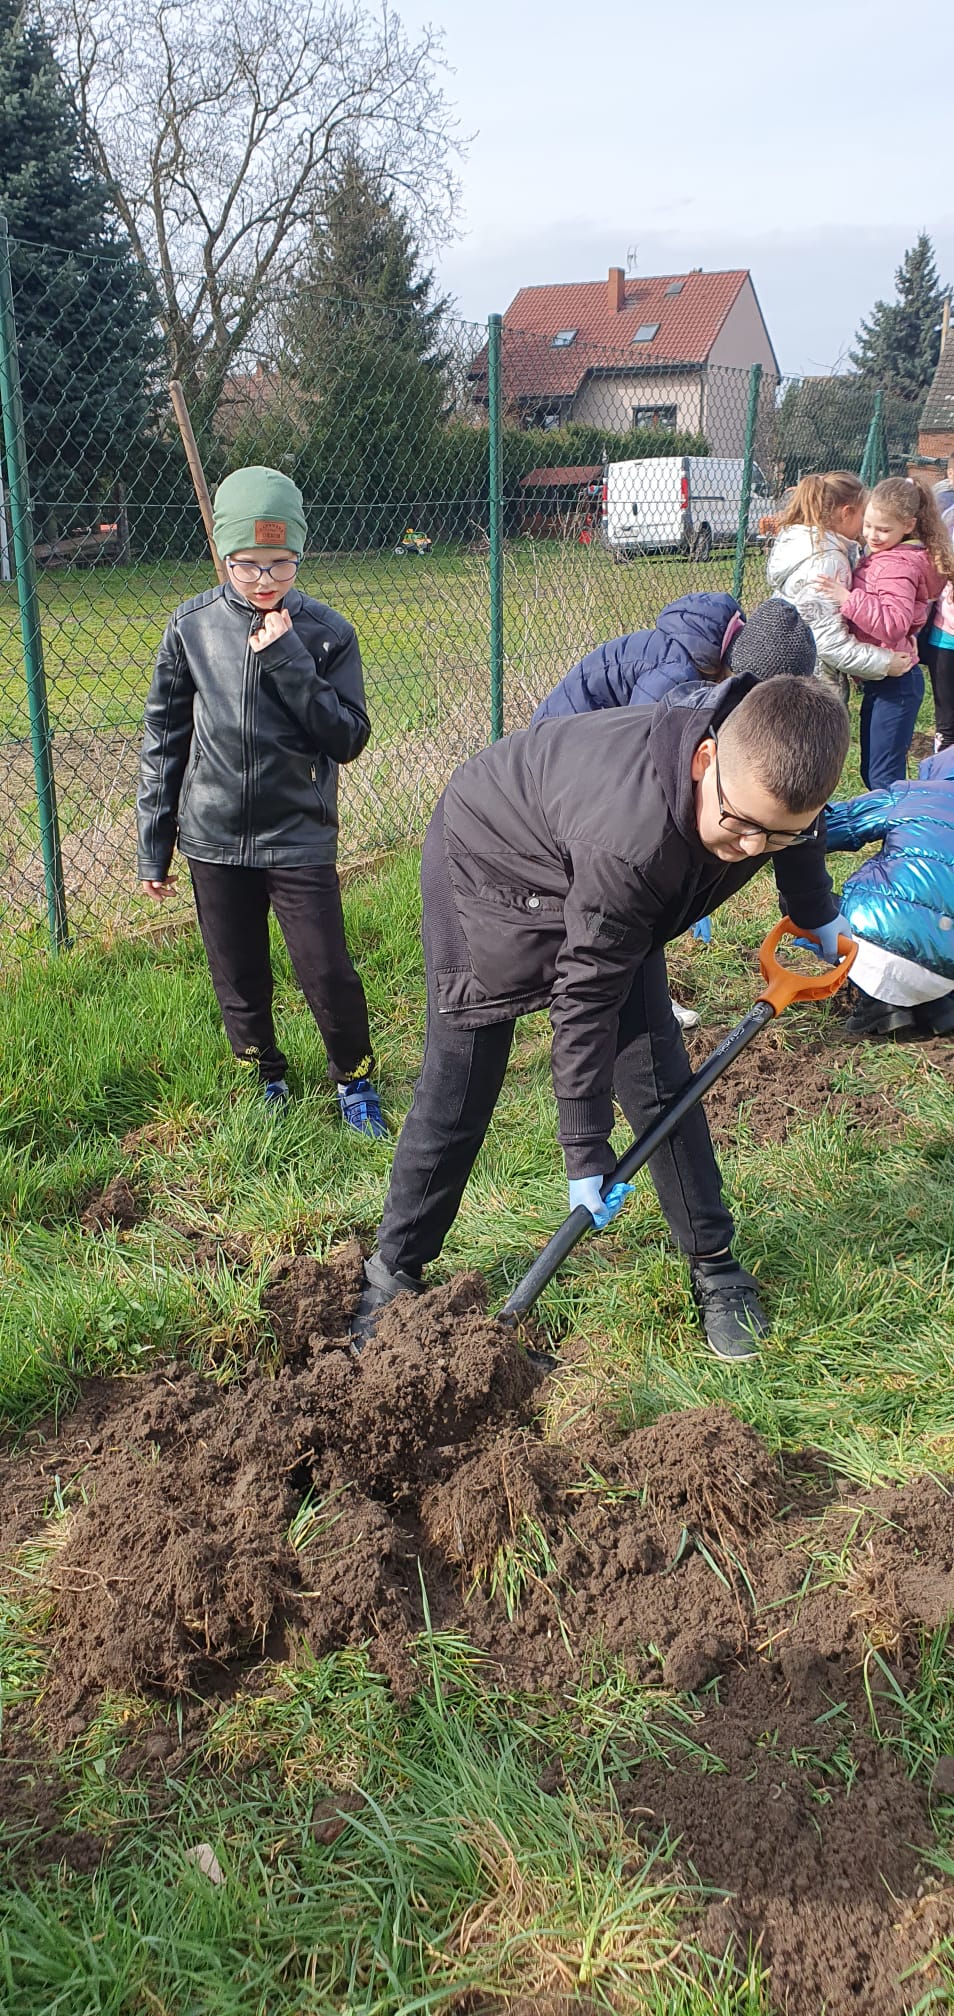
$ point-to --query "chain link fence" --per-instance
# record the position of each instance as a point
(484, 504)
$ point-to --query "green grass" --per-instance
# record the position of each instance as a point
(456, 1873)
(417, 621)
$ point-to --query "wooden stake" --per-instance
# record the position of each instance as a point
(194, 460)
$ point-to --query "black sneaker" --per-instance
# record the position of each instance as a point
(727, 1299)
(871, 1017)
(380, 1288)
(936, 1018)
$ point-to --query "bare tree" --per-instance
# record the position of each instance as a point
(214, 127)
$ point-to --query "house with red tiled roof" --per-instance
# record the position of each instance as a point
(667, 351)
(936, 425)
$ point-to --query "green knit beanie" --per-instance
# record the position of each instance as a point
(258, 507)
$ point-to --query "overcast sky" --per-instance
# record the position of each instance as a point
(797, 141)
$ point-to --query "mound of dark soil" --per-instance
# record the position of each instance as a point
(215, 1525)
(781, 1081)
(116, 1205)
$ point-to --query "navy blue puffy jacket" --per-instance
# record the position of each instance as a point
(639, 669)
(903, 899)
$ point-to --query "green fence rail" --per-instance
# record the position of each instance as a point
(485, 504)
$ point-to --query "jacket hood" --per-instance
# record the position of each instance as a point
(679, 724)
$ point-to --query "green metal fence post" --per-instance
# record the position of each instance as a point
(21, 520)
(495, 473)
(755, 380)
(874, 459)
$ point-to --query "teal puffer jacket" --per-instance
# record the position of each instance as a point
(903, 898)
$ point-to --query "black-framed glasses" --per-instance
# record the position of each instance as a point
(248, 572)
(742, 828)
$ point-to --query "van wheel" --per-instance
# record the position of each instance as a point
(620, 556)
(701, 546)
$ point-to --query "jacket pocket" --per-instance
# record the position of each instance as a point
(189, 778)
(513, 937)
(519, 904)
(319, 794)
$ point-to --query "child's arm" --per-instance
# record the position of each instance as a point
(836, 646)
(325, 693)
(887, 613)
(855, 822)
(165, 754)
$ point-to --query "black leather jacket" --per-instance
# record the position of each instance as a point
(241, 750)
(572, 853)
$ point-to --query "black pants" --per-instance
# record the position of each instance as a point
(940, 663)
(460, 1082)
(233, 906)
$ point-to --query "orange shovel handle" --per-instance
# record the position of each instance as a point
(783, 987)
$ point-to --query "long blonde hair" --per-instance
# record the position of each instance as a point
(815, 499)
(903, 497)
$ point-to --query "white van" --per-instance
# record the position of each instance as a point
(690, 502)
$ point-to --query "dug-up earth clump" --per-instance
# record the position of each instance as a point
(208, 1528)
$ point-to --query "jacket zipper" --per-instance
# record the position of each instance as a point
(245, 844)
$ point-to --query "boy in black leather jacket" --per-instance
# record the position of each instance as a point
(256, 699)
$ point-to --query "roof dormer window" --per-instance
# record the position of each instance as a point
(563, 339)
(646, 332)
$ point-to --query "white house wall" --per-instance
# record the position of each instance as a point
(608, 401)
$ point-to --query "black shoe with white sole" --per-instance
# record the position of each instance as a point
(727, 1299)
(380, 1288)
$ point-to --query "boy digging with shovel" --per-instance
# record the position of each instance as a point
(557, 866)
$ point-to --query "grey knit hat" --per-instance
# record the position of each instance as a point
(775, 639)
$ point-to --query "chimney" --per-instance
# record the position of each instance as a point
(945, 322)
(615, 289)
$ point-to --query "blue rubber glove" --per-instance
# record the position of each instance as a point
(827, 937)
(703, 930)
(587, 1190)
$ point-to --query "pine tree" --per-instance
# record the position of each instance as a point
(364, 335)
(86, 344)
(897, 347)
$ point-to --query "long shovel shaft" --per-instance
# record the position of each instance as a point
(580, 1222)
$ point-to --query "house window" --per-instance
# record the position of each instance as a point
(563, 339)
(675, 287)
(654, 417)
(645, 332)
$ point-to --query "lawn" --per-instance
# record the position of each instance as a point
(459, 1843)
(424, 630)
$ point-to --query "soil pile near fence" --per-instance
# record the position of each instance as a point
(211, 1526)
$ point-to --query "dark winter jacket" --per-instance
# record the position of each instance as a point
(572, 852)
(241, 750)
(690, 638)
(903, 899)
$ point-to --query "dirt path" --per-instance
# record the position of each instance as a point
(208, 1526)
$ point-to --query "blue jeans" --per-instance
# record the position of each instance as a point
(889, 711)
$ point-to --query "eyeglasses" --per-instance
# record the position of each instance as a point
(742, 828)
(281, 572)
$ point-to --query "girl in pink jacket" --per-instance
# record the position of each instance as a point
(908, 559)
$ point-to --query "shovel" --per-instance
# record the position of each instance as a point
(782, 988)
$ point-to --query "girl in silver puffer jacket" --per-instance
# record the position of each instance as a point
(817, 535)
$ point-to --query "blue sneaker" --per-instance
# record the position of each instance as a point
(361, 1108)
(275, 1094)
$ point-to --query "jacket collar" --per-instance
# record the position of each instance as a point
(291, 601)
